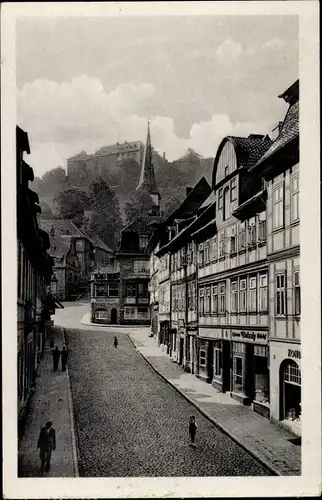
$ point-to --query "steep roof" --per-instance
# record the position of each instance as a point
(147, 176)
(59, 247)
(250, 149)
(63, 227)
(142, 224)
(97, 242)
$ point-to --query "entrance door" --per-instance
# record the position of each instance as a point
(226, 362)
(250, 375)
(210, 366)
(290, 390)
(114, 316)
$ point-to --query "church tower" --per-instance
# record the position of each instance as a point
(147, 178)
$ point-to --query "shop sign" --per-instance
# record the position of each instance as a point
(294, 353)
(212, 333)
(255, 337)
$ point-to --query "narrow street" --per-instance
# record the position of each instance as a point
(130, 422)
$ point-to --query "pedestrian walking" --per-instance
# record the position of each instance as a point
(64, 357)
(192, 430)
(46, 445)
(56, 356)
(116, 342)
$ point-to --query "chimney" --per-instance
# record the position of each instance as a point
(276, 131)
(188, 190)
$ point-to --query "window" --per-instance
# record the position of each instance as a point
(207, 301)
(222, 298)
(242, 295)
(233, 190)
(193, 253)
(131, 290)
(130, 312)
(221, 245)
(220, 199)
(233, 241)
(242, 237)
(189, 254)
(113, 290)
(201, 255)
(201, 302)
(297, 293)
(143, 290)
(280, 294)
(226, 171)
(214, 304)
(238, 373)
(295, 198)
(252, 294)
(262, 227)
(292, 373)
(207, 252)
(217, 359)
(143, 241)
(101, 314)
(214, 248)
(263, 292)
(233, 296)
(202, 357)
(141, 266)
(226, 204)
(278, 207)
(101, 290)
(252, 232)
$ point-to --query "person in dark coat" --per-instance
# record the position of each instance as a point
(56, 356)
(192, 430)
(64, 356)
(46, 445)
(115, 342)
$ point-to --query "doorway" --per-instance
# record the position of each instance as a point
(210, 364)
(113, 316)
(181, 352)
(226, 365)
(290, 390)
(250, 375)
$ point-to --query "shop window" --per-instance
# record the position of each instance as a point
(242, 295)
(222, 298)
(295, 198)
(252, 294)
(242, 237)
(201, 302)
(261, 374)
(207, 301)
(297, 293)
(233, 295)
(214, 248)
(214, 305)
(278, 207)
(207, 252)
(233, 190)
(238, 373)
(263, 292)
(280, 294)
(217, 359)
(291, 391)
(202, 357)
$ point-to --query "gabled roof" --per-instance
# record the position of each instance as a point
(63, 227)
(98, 243)
(142, 224)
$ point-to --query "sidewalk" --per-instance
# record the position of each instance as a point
(268, 442)
(51, 401)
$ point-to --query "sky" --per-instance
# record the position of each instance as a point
(83, 83)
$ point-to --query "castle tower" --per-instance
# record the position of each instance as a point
(147, 178)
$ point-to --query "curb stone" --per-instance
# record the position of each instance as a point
(268, 465)
(71, 415)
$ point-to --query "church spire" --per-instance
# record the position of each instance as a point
(147, 178)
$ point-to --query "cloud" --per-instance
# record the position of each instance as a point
(229, 50)
(274, 44)
(64, 118)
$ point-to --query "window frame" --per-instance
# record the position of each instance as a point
(296, 289)
(242, 295)
(295, 195)
(214, 300)
(263, 293)
(233, 296)
(280, 294)
(252, 294)
(222, 298)
(278, 207)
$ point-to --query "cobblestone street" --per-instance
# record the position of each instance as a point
(130, 422)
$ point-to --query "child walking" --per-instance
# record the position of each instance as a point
(192, 430)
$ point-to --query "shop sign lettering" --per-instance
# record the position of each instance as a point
(256, 337)
(294, 354)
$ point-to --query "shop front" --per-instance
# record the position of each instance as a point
(211, 357)
(249, 382)
(285, 385)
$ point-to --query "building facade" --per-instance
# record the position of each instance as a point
(66, 266)
(34, 304)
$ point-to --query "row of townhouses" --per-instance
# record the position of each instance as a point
(35, 303)
(225, 273)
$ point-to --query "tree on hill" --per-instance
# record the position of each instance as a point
(57, 175)
(103, 217)
(72, 203)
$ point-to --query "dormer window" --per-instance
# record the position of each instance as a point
(143, 241)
